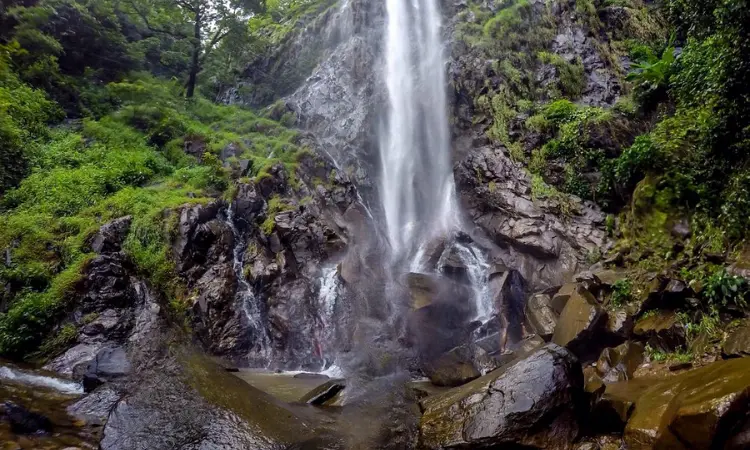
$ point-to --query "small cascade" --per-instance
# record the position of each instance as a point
(326, 306)
(22, 377)
(477, 272)
(261, 348)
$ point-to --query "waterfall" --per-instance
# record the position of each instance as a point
(417, 187)
(261, 347)
(327, 296)
(477, 271)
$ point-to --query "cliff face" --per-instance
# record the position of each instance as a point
(547, 237)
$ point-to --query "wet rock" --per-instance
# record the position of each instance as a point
(176, 404)
(532, 402)
(620, 363)
(217, 320)
(540, 315)
(248, 204)
(737, 342)
(695, 409)
(325, 394)
(202, 239)
(546, 250)
(581, 327)
(561, 297)
(110, 236)
(23, 421)
(109, 364)
(453, 368)
(665, 293)
(661, 330)
(95, 407)
(508, 291)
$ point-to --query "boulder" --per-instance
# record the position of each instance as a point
(662, 330)
(699, 408)
(737, 342)
(532, 402)
(540, 315)
(581, 327)
(619, 363)
(110, 363)
(186, 401)
(561, 297)
(110, 236)
(454, 367)
(326, 394)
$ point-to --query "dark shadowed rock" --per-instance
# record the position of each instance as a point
(325, 394)
(532, 402)
(661, 330)
(217, 319)
(619, 363)
(23, 421)
(110, 236)
(455, 367)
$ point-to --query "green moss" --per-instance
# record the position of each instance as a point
(276, 205)
(571, 77)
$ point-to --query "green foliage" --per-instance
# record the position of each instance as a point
(622, 292)
(58, 342)
(722, 289)
(24, 113)
(651, 73)
(636, 160)
(571, 75)
(129, 162)
(275, 205)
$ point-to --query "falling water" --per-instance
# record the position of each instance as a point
(417, 187)
(245, 295)
(327, 296)
(477, 271)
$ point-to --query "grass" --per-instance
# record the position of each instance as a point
(130, 162)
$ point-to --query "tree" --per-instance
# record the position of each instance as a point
(204, 23)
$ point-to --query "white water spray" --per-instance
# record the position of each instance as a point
(20, 376)
(417, 187)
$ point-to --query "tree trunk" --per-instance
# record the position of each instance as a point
(195, 63)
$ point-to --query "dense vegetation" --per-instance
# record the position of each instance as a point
(98, 120)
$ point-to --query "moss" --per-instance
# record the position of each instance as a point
(571, 76)
(57, 343)
(276, 205)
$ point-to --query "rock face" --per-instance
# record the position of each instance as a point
(532, 402)
(546, 249)
(115, 309)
